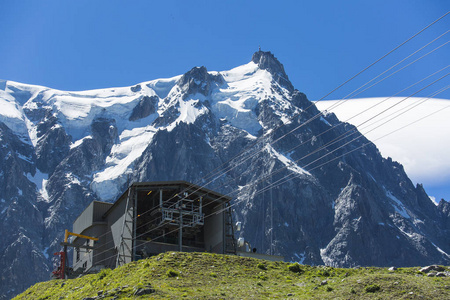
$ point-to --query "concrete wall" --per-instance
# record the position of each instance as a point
(214, 232)
(87, 257)
(84, 220)
(92, 213)
(90, 223)
(115, 219)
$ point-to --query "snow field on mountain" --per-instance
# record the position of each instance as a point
(40, 180)
(235, 101)
(246, 85)
(188, 110)
(77, 112)
(163, 86)
(422, 148)
(11, 114)
(107, 182)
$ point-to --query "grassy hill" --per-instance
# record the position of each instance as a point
(176, 275)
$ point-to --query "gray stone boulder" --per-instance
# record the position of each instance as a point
(144, 291)
(432, 268)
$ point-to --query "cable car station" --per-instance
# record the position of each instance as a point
(150, 218)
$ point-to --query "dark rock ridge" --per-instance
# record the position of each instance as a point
(444, 207)
(21, 224)
(146, 106)
(335, 199)
(267, 61)
(198, 80)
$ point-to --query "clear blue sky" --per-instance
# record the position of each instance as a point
(80, 45)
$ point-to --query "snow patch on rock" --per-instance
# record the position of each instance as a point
(398, 205)
(290, 164)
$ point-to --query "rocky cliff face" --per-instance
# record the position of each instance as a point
(304, 185)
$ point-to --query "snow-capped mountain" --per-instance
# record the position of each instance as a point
(335, 200)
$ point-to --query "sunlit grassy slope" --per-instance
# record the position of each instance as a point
(175, 275)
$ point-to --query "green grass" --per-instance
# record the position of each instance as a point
(175, 275)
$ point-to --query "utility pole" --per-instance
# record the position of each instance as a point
(263, 236)
(180, 230)
(271, 215)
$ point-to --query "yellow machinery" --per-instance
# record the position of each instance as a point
(60, 272)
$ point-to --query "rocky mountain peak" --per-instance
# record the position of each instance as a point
(444, 207)
(267, 61)
(198, 80)
(196, 73)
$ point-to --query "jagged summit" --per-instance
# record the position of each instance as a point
(444, 207)
(196, 73)
(267, 61)
(198, 80)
